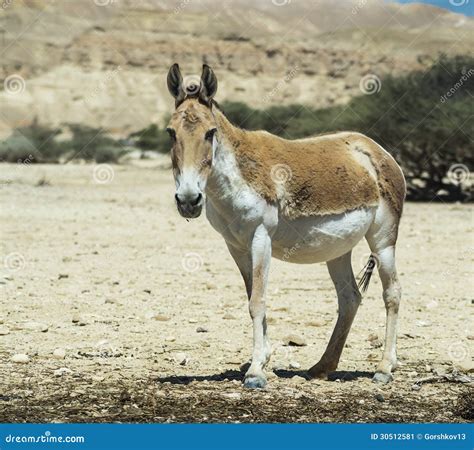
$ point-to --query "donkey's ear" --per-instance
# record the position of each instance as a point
(208, 83)
(175, 83)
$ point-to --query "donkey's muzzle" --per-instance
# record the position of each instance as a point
(189, 205)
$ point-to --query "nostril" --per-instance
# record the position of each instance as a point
(196, 200)
(176, 197)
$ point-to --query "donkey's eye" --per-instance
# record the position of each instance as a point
(171, 133)
(210, 134)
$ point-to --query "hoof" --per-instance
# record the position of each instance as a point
(318, 372)
(382, 378)
(255, 382)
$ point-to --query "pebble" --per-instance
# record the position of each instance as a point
(4, 330)
(20, 358)
(294, 340)
(201, 330)
(35, 326)
(97, 378)
(110, 300)
(229, 316)
(315, 323)
(298, 380)
(77, 319)
(192, 321)
(232, 395)
(379, 397)
(59, 353)
(170, 339)
(470, 337)
(160, 317)
(376, 343)
(62, 371)
(294, 365)
(181, 358)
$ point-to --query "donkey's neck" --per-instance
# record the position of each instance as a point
(225, 181)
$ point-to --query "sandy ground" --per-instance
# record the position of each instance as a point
(127, 312)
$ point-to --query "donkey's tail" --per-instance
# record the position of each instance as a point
(368, 269)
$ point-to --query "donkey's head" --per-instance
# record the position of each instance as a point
(192, 128)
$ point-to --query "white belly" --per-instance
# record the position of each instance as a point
(320, 238)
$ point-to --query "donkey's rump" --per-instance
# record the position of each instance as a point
(307, 177)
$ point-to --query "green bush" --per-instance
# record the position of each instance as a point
(152, 138)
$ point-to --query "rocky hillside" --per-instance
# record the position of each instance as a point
(104, 62)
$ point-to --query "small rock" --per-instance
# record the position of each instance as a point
(35, 326)
(379, 397)
(201, 330)
(192, 321)
(170, 339)
(377, 343)
(229, 316)
(298, 379)
(372, 337)
(470, 337)
(4, 330)
(110, 301)
(63, 275)
(232, 395)
(62, 371)
(181, 358)
(294, 365)
(78, 320)
(160, 317)
(315, 323)
(59, 353)
(20, 358)
(294, 340)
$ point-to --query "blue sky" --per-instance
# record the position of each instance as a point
(459, 6)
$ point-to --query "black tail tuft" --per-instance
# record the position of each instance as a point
(368, 270)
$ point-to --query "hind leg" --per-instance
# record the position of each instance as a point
(382, 238)
(348, 297)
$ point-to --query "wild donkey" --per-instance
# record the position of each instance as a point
(305, 201)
